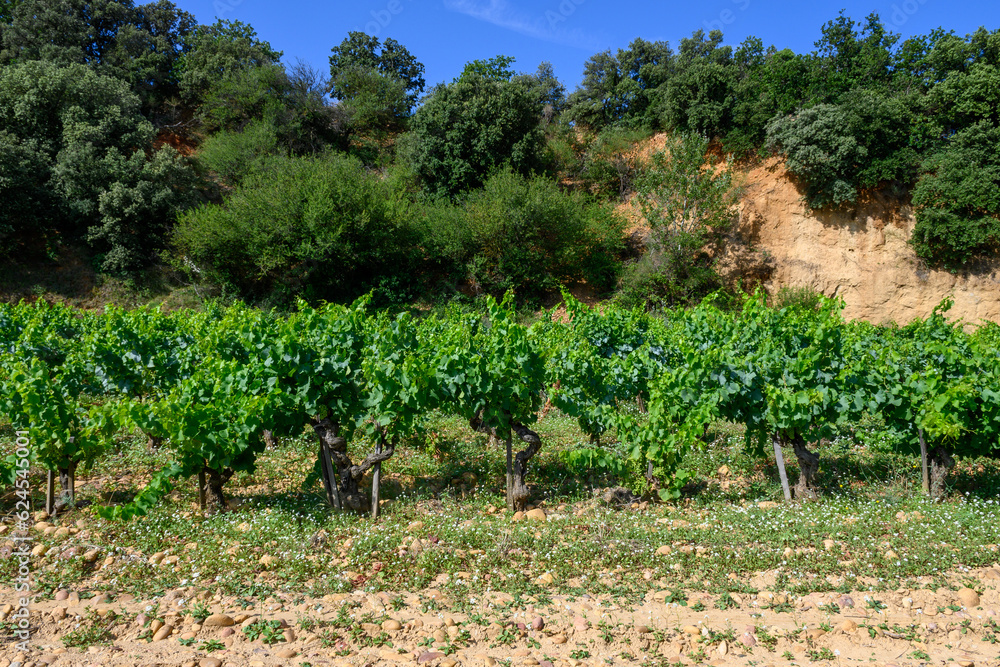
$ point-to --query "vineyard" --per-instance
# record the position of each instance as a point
(231, 456)
(214, 387)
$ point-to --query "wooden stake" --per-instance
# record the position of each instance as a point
(202, 500)
(50, 493)
(72, 485)
(923, 462)
(779, 457)
(510, 476)
(333, 488)
(376, 479)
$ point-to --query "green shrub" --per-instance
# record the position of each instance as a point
(802, 299)
(821, 151)
(523, 234)
(77, 161)
(958, 199)
(610, 162)
(232, 155)
(318, 227)
(687, 203)
(469, 128)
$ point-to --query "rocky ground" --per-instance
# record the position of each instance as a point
(906, 627)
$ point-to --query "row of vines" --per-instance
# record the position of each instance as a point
(214, 387)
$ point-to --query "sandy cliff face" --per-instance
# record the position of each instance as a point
(860, 255)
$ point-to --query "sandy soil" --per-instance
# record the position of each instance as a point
(942, 627)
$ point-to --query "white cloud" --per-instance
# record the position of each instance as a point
(548, 24)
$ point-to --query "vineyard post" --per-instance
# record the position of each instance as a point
(202, 502)
(923, 462)
(376, 479)
(779, 457)
(510, 474)
(72, 485)
(50, 492)
(330, 479)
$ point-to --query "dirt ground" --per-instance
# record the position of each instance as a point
(905, 627)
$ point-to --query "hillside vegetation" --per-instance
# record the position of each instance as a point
(144, 140)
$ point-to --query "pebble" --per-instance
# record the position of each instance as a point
(537, 514)
(968, 597)
(537, 623)
(580, 624)
(210, 662)
(392, 625)
(546, 579)
(428, 656)
(218, 621)
(163, 632)
(287, 653)
(665, 550)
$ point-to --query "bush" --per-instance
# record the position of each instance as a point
(319, 227)
(680, 273)
(800, 299)
(958, 199)
(523, 234)
(468, 129)
(77, 161)
(687, 204)
(610, 161)
(821, 151)
(233, 155)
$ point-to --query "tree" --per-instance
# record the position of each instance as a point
(77, 142)
(472, 126)
(390, 59)
(687, 204)
(698, 98)
(219, 50)
(822, 151)
(547, 88)
(958, 199)
(141, 44)
(374, 101)
(65, 31)
(619, 87)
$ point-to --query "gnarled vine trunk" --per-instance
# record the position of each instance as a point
(517, 464)
(519, 488)
(270, 440)
(808, 467)
(67, 480)
(341, 478)
(941, 462)
(215, 499)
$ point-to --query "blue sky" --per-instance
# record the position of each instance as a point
(445, 34)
